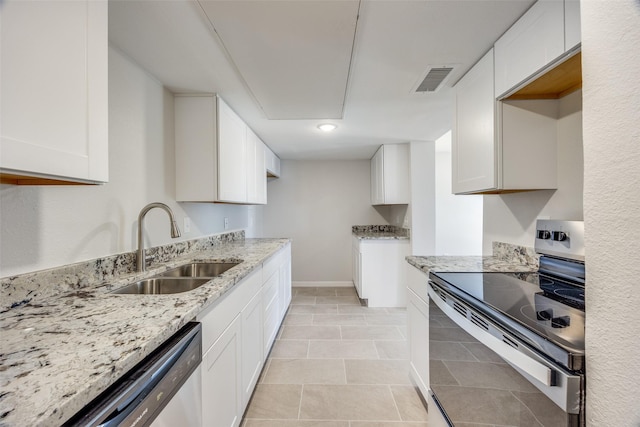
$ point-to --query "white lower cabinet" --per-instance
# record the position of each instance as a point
(221, 378)
(380, 274)
(237, 334)
(418, 329)
(252, 351)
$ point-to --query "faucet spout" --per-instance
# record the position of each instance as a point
(175, 231)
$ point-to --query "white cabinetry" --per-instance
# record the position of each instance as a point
(380, 274)
(272, 163)
(276, 294)
(218, 157)
(256, 170)
(390, 175)
(532, 43)
(418, 328)
(501, 146)
(54, 122)
(284, 292)
(252, 349)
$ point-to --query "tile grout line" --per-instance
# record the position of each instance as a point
(393, 397)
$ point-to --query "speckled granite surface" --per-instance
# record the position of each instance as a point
(506, 258)
(373, 232)
(60, 350)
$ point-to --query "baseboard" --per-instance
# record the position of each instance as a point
(322, 284)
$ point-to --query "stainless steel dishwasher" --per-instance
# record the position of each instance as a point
(163, 390)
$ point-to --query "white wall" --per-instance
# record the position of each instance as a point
(316, 203)
(49, 226)
(611, 36)
(458, 218)
(423, 207)
(512, 218)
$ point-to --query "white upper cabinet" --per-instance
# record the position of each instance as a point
(54, 122)
(572, 25)
(390, 175)
(256, 169)
(232, 155)
(272, 163)
(474, 152)
(530, 45)
(516, 152)
(218, 157)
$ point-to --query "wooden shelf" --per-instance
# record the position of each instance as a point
(556, 83)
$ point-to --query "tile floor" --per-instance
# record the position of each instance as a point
(337, 364)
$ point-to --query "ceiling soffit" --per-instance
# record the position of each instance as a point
(290, 52)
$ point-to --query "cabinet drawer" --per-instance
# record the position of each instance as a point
(418, 282)
(271, 265)
(217, 317)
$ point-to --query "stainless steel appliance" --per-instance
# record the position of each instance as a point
(508, 348)
(162, 390)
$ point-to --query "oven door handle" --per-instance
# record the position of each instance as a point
(533, 368)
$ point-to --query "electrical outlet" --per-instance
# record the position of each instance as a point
(187, 224)
(226, 223)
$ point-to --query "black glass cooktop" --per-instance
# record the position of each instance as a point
(552, 308)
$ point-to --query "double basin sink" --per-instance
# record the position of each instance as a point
(180, 279)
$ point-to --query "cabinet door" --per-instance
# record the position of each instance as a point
(232, 156)
(377, 177)
(256, 170)
(473, 150)
(395, 174)
(534, 41)
(54, 121)
(221, 379)
(572, 24)
(357, 267)
(271, 312)
(252, 349)
(418, 334)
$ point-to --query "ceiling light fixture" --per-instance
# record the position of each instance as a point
(327, 127)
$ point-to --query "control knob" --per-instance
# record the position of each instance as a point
(544, 234)
(560, 236)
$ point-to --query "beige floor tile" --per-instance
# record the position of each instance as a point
(386, 319)
(393, 349)
(295, 423)
(403, 331)
(314, 309)
(290, 349)
(342, 349)
(346, 291)
(370, 333)
(339, 319)
(439, 374)
(328, 332)
(305, 371)
(377, 371)
(348, 402)
(389, 424)
(444, 350)
(340, 300)
(409, 404)
(275, 401)
(489, 375)
(298, 319)
(303, 300)
(358, 309)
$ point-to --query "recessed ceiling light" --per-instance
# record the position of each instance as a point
(327, 127)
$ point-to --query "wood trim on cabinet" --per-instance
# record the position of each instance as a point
(558, 82)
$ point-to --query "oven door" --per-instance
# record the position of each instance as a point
(479, 373)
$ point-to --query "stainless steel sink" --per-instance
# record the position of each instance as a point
(200, 269)
(161, 285)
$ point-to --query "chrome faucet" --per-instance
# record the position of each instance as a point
(175, 231)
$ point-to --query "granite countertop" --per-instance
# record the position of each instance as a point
(60, 352)
(468, 264)
(379, 232)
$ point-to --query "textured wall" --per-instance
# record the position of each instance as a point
(49, 226)
(611, 86)
(316, 203)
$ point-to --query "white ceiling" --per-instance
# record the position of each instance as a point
(286, 66)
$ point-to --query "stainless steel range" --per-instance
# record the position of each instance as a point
(508, 348)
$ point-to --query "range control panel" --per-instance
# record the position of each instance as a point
(560, 238)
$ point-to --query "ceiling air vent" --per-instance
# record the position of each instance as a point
(434, 79)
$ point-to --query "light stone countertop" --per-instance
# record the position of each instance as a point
(468, 264)
(60, 352)
(379, 232)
